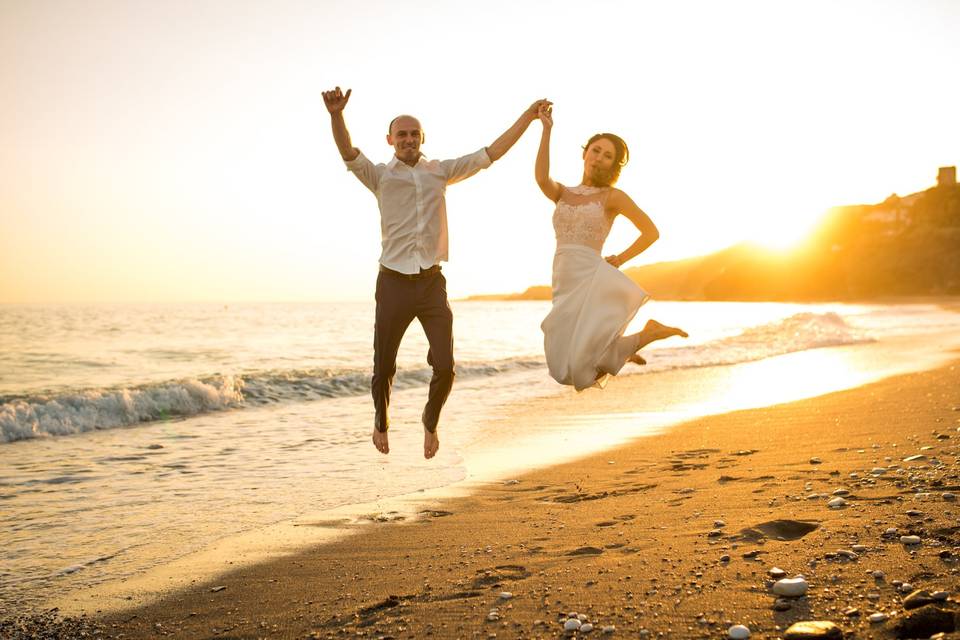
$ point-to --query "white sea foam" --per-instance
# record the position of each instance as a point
(106, 409)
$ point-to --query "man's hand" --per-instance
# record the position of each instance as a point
(336, 100)
(533, 111)
(545, 114)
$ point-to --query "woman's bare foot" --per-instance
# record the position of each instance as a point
(430, 444)
(380, 441)
(654, 331)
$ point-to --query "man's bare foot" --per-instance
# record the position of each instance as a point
(636, 359)
(380, 441)
(430, 444)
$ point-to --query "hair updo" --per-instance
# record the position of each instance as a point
(620, 157)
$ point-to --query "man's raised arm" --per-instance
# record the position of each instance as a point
(335, 101)
(502, 144)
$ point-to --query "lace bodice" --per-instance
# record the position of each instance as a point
(580, 216)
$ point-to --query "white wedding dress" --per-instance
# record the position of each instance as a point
(593, 301)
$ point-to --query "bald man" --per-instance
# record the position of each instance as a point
(413, 227)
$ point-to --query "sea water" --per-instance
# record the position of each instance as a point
(131, 435)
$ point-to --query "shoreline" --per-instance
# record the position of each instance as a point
(579, 505)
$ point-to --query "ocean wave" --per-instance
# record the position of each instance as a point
(26, 417)
(799, 332)
(78, 411)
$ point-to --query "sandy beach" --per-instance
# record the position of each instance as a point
(675, 535)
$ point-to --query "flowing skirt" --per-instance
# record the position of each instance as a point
(593, 302)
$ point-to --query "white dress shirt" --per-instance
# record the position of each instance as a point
(413, 211)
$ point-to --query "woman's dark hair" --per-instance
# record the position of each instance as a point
(620, 157)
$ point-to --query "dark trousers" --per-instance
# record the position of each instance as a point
(399, 301)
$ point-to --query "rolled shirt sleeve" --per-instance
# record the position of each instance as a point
(465, 166)
(366, 171)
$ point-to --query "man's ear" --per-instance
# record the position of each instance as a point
(389, 139)
(423, 137)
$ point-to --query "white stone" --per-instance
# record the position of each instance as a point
(717, 524)
(776, 573)
(586, 627)
(910, 539)
(841, 492)
(878, 471)
(892, 531)
(815, 460)
(572, 624)
(493, 616)
(906, 587)
(738, 632)
(610, 629)
(877, 617)
(859, 548)
(505, 595)
(836, 503)
(582, 617)
(879, 575)
(790, 587)
(940, 595)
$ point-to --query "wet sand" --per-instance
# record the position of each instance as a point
(671, 535)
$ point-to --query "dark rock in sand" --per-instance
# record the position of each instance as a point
(925, 622)
(813, 629)
(917, 599)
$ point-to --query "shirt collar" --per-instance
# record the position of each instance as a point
(394, 161)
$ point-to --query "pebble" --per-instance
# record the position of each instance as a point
(790, 587)
(837, 503)
(738, 632)
(846, 553)
(586, 627)
(216, 589)
(725, 558)
(777, 573)
(906, 587)
(877, 617)
(878, 471)
(851, 612)
(505, 595)
(940, 595)
(841, 492)
(910, 539)
(915, 458)
(815, 460)
(749, 555)
(493, 616)
(879, 575)
(949, 497)
(610, 629)
(718, 524)
(782, 604)
(572, 624)
(813, 629)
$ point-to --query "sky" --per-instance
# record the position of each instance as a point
(180, 151)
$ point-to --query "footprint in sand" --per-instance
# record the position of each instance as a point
(585, 551)
(779, 530)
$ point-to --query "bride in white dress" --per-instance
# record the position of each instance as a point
(593, 301)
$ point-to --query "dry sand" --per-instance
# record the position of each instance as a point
(670, 536)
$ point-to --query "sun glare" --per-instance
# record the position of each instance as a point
(788, 230)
